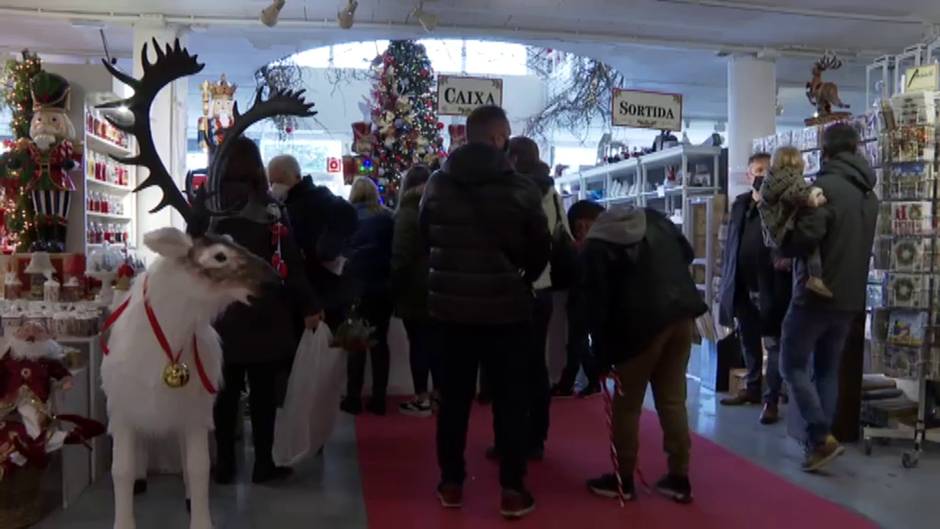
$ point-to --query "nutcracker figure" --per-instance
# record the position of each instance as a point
(218, 105)
(51, 157)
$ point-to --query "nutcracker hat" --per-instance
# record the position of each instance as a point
(50, 91)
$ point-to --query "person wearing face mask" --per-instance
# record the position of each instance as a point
(489, 242)
(755, 295)
(258, 340)
(322, 225)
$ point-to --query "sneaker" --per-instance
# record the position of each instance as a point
(450, 495)
(770, 414)
(606, 487)
(514, 504)
(140, 487)
(536, 453)
(376, 406)
(352, 406)
(676, 487)
(589, 391)
(741, 399)
(224, 473)
(818, 287)
(416, 408)
(265, 473)
(562, 392)
(822, 455)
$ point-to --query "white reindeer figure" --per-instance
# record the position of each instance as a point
(163, 362)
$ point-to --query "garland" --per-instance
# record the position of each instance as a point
(281, 75)
(16, 209)
(581, 89)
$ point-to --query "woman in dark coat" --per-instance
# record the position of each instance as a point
(369, 258)
(258, 340)
(410, 292)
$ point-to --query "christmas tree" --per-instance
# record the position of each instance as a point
(16, 209)
(404, 112)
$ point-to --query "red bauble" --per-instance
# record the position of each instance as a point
(425, 72)
(289, 130)
(440, 125)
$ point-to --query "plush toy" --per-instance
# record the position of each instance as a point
(52, 157)
(28, 428)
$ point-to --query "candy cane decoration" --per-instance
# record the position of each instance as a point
(609, 409)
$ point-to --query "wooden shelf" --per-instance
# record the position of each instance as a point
(111, 216)
(109, 185)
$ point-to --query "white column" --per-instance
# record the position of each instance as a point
(752, 103)
(168, 124)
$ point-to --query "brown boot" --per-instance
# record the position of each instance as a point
(770, 414)
(741, 399)
(818, 287)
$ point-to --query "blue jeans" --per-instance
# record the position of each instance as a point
(810, 354)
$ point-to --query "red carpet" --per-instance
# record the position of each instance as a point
(399, 473)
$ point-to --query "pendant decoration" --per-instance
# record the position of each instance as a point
(278, 230)
(176, 375)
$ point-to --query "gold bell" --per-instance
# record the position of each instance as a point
(176, 375)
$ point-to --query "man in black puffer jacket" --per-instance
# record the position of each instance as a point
(488, 242)
(642, 301)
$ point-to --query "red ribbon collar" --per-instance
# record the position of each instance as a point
(161, 338)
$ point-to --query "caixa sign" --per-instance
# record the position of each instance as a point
(459, 96)
(646, 110)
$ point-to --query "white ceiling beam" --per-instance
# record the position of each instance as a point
(802, 11)
(518, 34)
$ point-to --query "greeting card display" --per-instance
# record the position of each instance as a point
(906, 291)
(812, 162)
(913, 144)
(907, 328)
(757, 145)
(901, 362)
(810, 138)
(912, 218)
(911, 254)
(909, 181)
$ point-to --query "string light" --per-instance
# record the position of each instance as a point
(20, 221)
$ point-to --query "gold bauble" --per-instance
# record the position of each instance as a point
(176, 375)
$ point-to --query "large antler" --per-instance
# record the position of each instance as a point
(173, 62)
(829, 61)
(279, 102)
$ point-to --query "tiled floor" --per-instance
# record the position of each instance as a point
(326, 492)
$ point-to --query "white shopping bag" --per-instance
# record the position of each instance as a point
(311, 405)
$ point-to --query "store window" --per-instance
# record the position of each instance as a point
(575, 157)
(357, 55)
(312, 152)
(313, 58)
(495, 58)
(446, 54)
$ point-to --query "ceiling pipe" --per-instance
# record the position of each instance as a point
(517, 34)
(800, 11)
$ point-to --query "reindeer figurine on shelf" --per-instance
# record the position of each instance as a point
(824, 95)
(163, 360)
